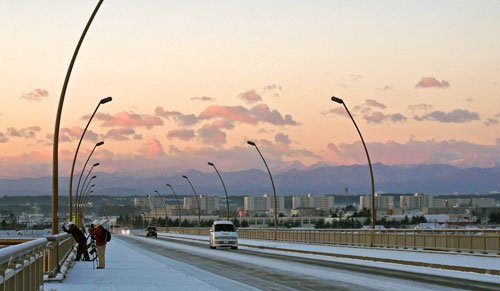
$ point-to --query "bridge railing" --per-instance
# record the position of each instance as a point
(461, 240)
(57, 251)
(21, 266)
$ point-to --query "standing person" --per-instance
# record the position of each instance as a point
(80, 238)
(100, 241)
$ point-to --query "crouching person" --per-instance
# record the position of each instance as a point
(100, 234)
(80, 238)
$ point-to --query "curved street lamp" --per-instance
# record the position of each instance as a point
(165, 206)
(85, 189)
(154, 207)
(70, 192)
(223, 185)
(197, 200)
(178, 204)
(274, 189)
(55, 147)
(374, 211)
(84, 201)
(86, 162)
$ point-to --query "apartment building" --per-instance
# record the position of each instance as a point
(382, 203)
(325, 203)
(416, 202)
(262, 204)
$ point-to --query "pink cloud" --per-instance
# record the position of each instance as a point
(67, 134)
(233, 113)
(380, 117)
(152, 148)
(128, 119)
(250, 96)
(28, 132)
(282, 139)
(182, 119)
(203, 98)
(429, 82)
(182, 134)
(375, 103)
(262, 112)
(3, 138)
(212, 136)
(122, 134)
(35, 95)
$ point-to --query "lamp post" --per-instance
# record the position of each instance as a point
(197, 200)
(55, 147)
(178, 204)
(84, 201)
(85, 190)
(86, 177)
(274, 190)
(374, 211)
(86, 162)
(70, 192)
(154, 208)
(165, 206)
(223, 185)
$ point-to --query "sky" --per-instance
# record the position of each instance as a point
(192, 81)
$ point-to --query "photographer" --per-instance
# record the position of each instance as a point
(100, 242)
(79, 237)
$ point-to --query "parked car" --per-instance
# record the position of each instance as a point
(151, 231)
(223, 234)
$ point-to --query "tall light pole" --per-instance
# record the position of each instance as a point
(85, 188)
(154, 208)
(197, 200)
(165, 206)
(70, 192)
(223, 185)
(86, 162)
(178, 204)
(274, 190)
(374, 211)
(55, 147)
(84, 200)
(78, 191)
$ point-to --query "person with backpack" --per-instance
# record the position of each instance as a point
(102, 236)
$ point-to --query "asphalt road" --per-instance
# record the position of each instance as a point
(280, 272)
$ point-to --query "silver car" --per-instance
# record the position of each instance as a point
(223, 234)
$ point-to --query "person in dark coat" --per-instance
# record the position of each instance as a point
(80, 238)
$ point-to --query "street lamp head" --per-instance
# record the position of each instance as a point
(92, 186)
(93, 177)
(211, 164)
(168, 185)
(338, 100)
(105, 100)
(96, 164)
(99, 143)
(185, 177)
(157, 192)
(251, 143)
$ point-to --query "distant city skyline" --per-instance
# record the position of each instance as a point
(193, 81)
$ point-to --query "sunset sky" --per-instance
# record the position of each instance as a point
(192, 81)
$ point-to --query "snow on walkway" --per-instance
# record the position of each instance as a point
(130, 268)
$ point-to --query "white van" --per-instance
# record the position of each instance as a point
(223, 234)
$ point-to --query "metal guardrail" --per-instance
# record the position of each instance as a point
(24, 265)
(460, 240)
(21, 266)
(57, 251)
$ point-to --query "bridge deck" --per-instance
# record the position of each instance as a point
(130, 268)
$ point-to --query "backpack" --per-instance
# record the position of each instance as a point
(105, 235)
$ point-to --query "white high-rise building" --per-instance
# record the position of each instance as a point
(325, 203)
(263, 203)
(208, 204)
(381, 202)
(416, 202)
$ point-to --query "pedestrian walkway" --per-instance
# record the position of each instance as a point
(130, 268)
